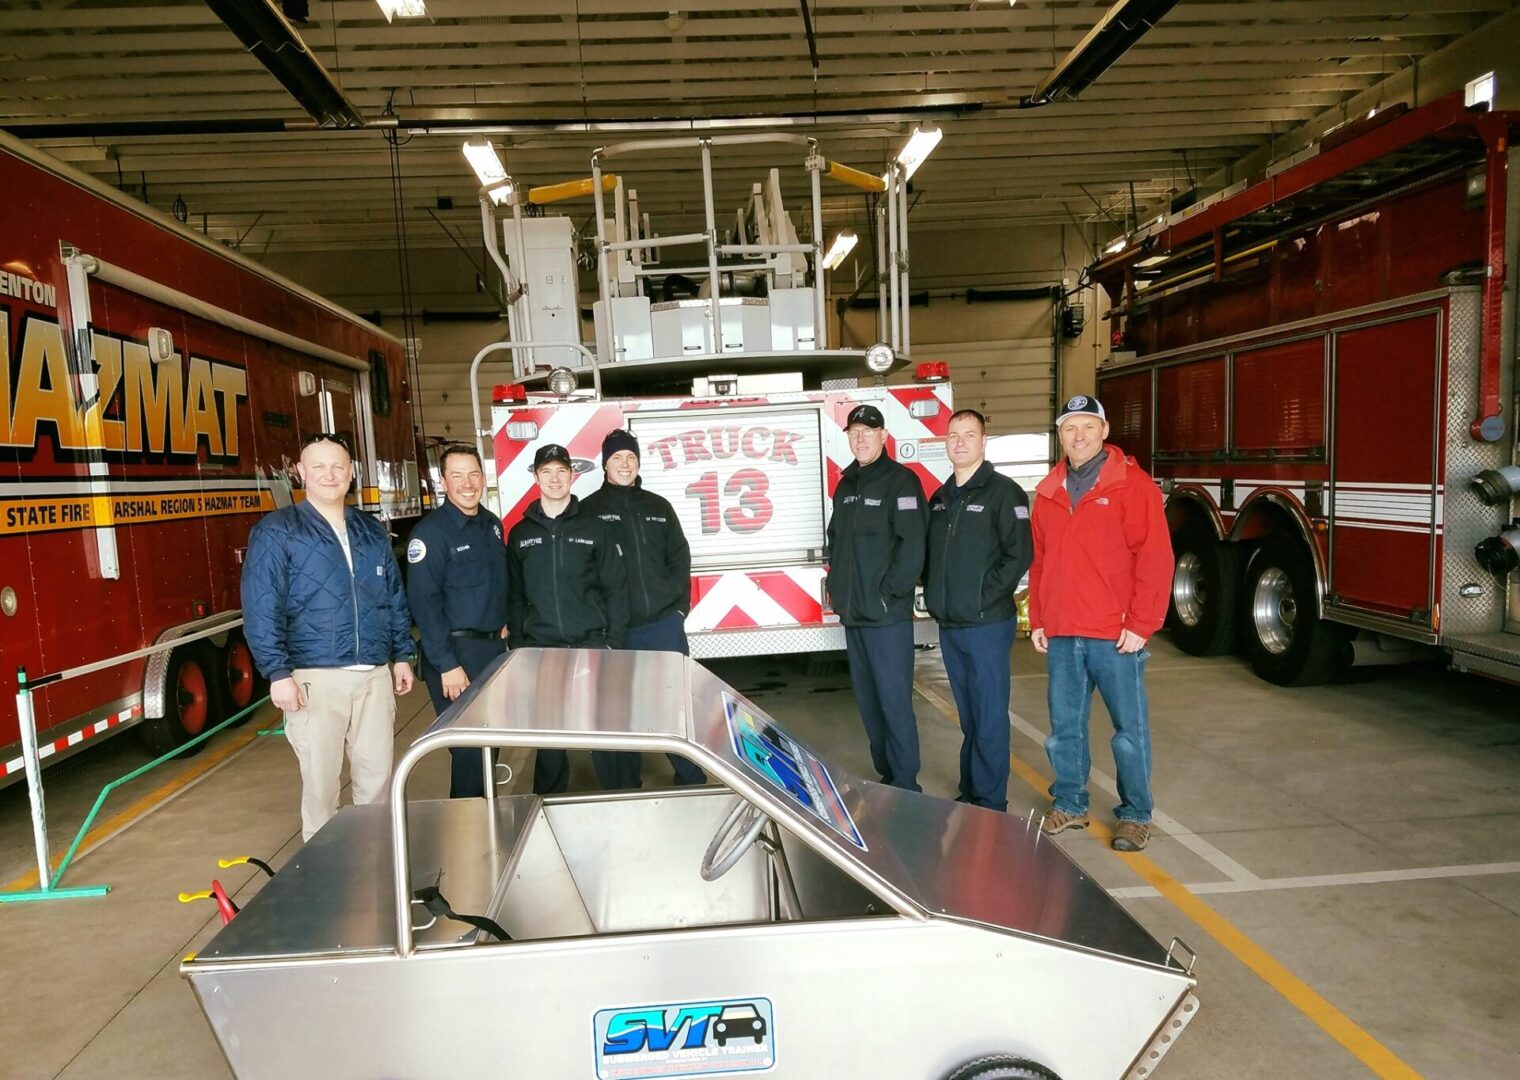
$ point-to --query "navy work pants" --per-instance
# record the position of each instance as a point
(881, 668)
(977, 662)
(626, 770)
(467, 777)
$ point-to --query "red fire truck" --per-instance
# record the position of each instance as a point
(1318, 366)
(154, 392)
(716, 357)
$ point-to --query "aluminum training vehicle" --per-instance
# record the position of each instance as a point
(789, 918)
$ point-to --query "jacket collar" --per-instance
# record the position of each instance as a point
(314, 516)
(1114, 470)
(457, 517)
(856, 469)
(983, 473)
(535, 511)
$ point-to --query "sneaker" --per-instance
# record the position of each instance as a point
(1131, 835)
(1058, 821)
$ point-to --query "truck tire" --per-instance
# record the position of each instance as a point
(241, 684)
(1002, 1067)
(1285, 639)
(1205, 588)
(189, 702)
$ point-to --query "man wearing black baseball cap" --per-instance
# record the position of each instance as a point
(1098, 589)
(876, 554)
(566, 587)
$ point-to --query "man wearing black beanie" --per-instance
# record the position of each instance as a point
(658, 560)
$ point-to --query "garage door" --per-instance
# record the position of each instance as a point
(1012, 383)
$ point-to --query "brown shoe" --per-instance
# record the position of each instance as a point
(1131, 835)
(1058, 821)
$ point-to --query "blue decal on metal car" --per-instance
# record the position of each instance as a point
(790, 767)
(703, 1038)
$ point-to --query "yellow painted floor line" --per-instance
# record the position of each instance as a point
(1299, 994)
(142, 806)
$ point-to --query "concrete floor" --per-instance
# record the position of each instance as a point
(1346, 861)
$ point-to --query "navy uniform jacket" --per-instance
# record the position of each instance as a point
(567, 587)
(876, 543)
(655, 551)
(979, 549)
(456, 579)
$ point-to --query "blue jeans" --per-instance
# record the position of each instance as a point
(976, 663)
(621, 769)
(1075, 665)
(881, 669)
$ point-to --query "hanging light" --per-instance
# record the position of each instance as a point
(484, 159)
(919, 146)
(402, 9)
(839, 250)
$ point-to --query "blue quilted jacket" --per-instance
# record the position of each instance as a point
(304, 608)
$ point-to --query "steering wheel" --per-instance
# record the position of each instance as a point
(744, 821)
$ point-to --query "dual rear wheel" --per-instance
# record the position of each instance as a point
(203, 685)
(1269, 608)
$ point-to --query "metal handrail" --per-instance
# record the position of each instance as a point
(513, 346)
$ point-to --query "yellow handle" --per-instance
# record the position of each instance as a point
(188, 897)
(570, 189)
(239, 861)
(189, 956)
(854, 177)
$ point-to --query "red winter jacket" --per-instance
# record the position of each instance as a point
(1105, 566)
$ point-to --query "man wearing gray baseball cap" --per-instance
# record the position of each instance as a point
(1098, 589)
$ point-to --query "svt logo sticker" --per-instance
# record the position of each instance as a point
(704, 1038)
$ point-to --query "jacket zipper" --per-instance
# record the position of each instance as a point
(638, 555)
(353, 591)
(559, 616)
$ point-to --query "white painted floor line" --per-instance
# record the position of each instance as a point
(1320, 881)
(1162, 822)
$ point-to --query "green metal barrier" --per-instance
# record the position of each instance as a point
(51, 890)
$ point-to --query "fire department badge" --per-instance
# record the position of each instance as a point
(416, 550)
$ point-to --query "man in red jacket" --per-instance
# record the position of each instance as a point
(1098, 590)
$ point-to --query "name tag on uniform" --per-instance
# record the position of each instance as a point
(660, 520)
(873, 502)
(850, 499)
(462, 547)
(583, 540)
(975, 508)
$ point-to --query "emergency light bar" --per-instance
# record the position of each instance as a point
(919, 146)
(840, 249)
(503, 392)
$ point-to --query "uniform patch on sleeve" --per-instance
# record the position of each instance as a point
(416, 550)
(907, 502)
(1021, 511)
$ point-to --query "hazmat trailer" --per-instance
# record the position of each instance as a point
(1318, 366)
(154, 393)
(712, 348)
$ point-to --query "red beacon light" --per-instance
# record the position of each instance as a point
(932, 371)
(507, 393)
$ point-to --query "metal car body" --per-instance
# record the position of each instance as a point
(869, 930)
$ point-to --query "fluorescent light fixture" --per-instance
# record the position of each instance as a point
(487, 164)
(1116, 246)
(402, 9)
(840, 249)
(919, 146)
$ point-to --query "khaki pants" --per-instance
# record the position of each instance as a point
(356, 709)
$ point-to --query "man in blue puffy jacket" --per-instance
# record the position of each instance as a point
(324, 613)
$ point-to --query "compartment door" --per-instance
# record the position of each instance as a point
(1383, 468)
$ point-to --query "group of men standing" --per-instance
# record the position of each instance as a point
(1099, 560)
(325, 609)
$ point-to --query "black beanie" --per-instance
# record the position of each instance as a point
(619, 440)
